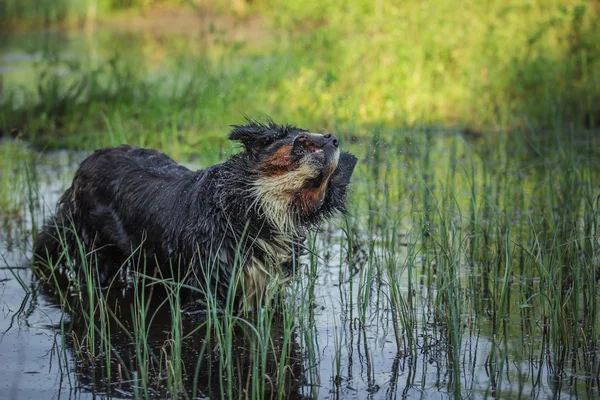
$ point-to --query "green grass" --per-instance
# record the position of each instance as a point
(113, 336)
(504, 245)
(458, 255)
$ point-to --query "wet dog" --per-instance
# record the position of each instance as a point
(250, 214)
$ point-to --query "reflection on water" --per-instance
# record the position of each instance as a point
(116, 372)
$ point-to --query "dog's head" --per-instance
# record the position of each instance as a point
(300, 175)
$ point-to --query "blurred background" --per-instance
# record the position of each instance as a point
(75, 72)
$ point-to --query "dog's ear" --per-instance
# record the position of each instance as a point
(335, 197)
(343, 172)
(255, 136)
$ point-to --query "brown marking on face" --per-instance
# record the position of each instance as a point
(279, 163)
(286, 183)
(308, 199)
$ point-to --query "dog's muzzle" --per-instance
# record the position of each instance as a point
(315, 143)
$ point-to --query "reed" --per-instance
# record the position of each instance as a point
(467, 266)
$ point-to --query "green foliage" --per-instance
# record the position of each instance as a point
(334, 65)
(484, 63)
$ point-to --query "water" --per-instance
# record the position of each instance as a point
(29, 341)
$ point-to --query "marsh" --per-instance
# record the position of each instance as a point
(467, 264)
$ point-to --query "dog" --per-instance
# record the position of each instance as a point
(251, 213)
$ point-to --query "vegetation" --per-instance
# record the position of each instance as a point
(468, 263)
(346, 65)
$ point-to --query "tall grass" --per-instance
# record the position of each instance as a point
(486, 63)
(458, 256)
(136, 338)
(501, 237)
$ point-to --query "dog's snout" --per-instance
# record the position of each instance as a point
(317, 140)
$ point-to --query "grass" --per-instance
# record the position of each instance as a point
(456, 256)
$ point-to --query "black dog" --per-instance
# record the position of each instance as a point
(253, 211)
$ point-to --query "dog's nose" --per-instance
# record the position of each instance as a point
(318, 140)
(333, 139)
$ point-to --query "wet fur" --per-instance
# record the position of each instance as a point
(253, 210)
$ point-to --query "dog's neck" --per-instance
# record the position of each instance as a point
(267, 207)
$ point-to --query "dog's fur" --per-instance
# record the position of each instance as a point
(254, 210)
